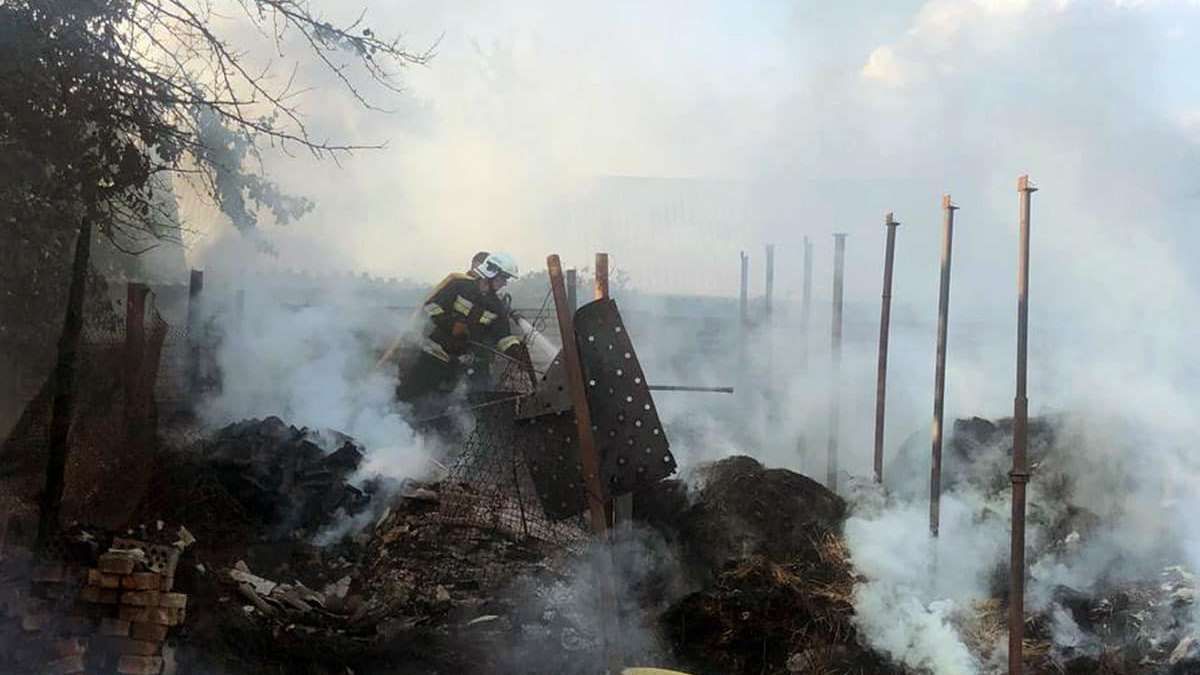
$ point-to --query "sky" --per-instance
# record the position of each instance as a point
(789, 119)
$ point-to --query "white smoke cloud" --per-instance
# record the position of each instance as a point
(798, 121)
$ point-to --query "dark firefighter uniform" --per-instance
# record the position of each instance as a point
(465, 323)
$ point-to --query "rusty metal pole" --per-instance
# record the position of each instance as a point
(1020, 470)
(839, 263)
(885, 318)
(939, 378)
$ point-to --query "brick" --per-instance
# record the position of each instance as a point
(140, 598)
(173, 600)
(101, 580)
(117, 563)
(114, 627)
(142, 581)
(63, 666)
(132, 647)
(159, 615)
(98, 595)
(140, 665)
(149, 631)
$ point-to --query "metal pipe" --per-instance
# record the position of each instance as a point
(885, 317)
(673, 387)
(1020, 470)
(839, 264)
(939, 378)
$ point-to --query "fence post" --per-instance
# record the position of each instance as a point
(1020, 470)
(939, 379)
(835, 355)
(885, 319)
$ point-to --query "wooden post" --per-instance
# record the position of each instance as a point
(583, 417)
(601, 275)
(939, 379)
(589, 458)
(885, 318)
(63, 407)
(1020, 470)
(835, 386)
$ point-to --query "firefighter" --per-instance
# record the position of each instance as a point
(466, 323)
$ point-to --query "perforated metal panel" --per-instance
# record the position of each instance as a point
(631, 442)
(551, 446)
(632, 445)
(551, 396)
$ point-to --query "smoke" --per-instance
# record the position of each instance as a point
(306, 351)
(674, 135)
(613, 591)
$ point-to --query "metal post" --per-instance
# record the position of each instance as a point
(885, 318)
(1020, 471)
(572, 289)
(939, 379)
(839, 263)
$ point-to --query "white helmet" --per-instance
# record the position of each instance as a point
(498, 263)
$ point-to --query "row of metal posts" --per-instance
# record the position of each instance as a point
(1020, 472)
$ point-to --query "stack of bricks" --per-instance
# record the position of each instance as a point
(127, 599)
